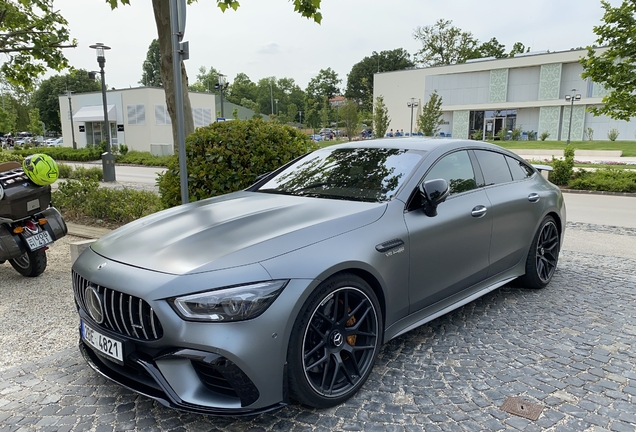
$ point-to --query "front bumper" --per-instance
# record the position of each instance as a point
(142, 376)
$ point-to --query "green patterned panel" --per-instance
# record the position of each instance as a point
(461, 121)
(578, 121)
(550, 81)
(549, 122)
(598, 90)
(498, 85)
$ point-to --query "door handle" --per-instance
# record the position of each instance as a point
(479, 211)
(533, 197)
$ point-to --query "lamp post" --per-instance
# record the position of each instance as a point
(301, 118)
(276, 100)
(108, 160)
(413, 104)
(70, 110)
(221, 86)
(571, 98)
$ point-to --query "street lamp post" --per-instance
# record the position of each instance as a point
(301, 118)
(276, 100)
(221, 86)
(413, 104)
(70, 110)
(108, 160)
(571, 98)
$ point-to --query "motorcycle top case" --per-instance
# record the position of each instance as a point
(22, 198)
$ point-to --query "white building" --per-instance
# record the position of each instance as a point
(138, 117)
(527, 91)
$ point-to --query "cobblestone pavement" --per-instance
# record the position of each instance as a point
(569, 347)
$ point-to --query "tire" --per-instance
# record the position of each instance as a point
(543, 255)
(332, 351)
(30, 264)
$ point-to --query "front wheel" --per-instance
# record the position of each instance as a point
(543, 255)
(334, 342)
(30, 264)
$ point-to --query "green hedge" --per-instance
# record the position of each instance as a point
(64, 153)
(228, 156)
(606, 179)
(135, 157)
(85, 199)
(10, 157)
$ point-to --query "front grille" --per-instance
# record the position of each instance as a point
(123, 313)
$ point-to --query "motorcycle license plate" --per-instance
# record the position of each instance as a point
(104, 345)
(39, 240)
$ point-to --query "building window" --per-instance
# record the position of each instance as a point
(202, 116)
(161, 115)
(136, 114)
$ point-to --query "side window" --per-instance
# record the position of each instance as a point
(494, 167)
(519, 169)
(457, 170)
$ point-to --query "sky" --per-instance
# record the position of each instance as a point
(265, 38)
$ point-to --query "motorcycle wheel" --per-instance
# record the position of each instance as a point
(30, 264)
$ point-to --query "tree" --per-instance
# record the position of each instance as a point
(360, 79)
(381, 117)
(444, 44)
(46, 97)
(492, 48)
(207, 80)
(518, 48)
(432, 117)
(351, 118)
(292, 112)
(615, 68)
(35, 124)
(324, 85)
(7, 120)
(32, 35)
(161, 8)
(151, 75)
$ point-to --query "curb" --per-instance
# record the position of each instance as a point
(589, 192)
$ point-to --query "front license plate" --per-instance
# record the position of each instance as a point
(39, 240)
(109, 347)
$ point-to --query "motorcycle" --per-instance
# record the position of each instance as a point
(28, 222)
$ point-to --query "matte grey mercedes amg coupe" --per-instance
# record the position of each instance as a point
(286, 291)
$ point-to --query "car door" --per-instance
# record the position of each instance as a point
(449, 252)
(515, 207)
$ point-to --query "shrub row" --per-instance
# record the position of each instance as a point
(80, 199)
(135, 157)
(63, 153)
(68, 172)
(606, 179)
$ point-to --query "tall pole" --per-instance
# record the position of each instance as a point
(571, 98)
(178, 95)
(70, 109)
(271, 95)
(108, 160)
(412, 105)
(301, 118)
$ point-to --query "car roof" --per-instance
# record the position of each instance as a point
(418, 143)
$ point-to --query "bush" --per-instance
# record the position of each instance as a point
(613, 134)
(228, 156)
(84, 198)
(516, 134)
(93, 173)
(123, 149)
(590, 133)
(502, 134)
(544, 135)
(532, 135)
(135, 157)
(606, 179)
(10, 157)
(64, 170)
(562, 169)
(64, 153)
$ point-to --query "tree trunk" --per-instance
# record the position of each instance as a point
(162, 18)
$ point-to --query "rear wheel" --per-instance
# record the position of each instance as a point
(30, 264)
(543, 255)
(334, 342)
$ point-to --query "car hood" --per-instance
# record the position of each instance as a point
(231, 230)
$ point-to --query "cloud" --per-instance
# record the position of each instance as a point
(269, 49)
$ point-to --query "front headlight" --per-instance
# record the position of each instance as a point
(229, 304)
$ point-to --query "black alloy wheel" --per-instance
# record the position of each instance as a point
(335, 342)
(543, 255)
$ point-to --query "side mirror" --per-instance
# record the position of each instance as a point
(433, 193)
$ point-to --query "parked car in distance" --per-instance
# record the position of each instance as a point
(285, 291)
(57, 142)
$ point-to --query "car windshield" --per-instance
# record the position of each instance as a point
(358, 174)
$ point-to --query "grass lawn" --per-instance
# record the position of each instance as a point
(628, 147)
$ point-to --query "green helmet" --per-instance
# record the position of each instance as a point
(41, 169)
